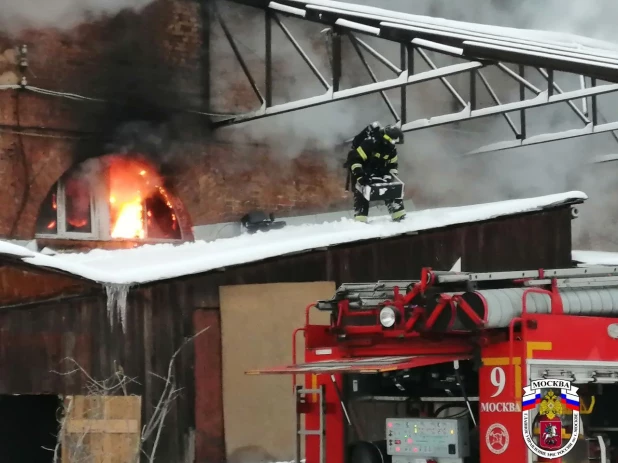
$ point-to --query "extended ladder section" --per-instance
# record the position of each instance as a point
(304, 399)
(480, 300)
(534, 277)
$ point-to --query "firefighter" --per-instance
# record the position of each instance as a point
(371, 131)
(375, 156)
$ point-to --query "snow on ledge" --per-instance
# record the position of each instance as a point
(165, 261)
(592, 258)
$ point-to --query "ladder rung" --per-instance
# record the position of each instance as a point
(304, 432)
(309, 391)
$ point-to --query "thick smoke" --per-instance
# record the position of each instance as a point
(59, 14)
(433, 162)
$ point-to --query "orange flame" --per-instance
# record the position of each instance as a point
(129, 223)
(131, 181)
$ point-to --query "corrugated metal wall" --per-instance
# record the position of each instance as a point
(34, 339)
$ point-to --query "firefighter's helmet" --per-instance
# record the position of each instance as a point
(392, 133)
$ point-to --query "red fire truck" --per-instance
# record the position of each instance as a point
(435, 370)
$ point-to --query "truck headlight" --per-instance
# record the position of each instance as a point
(387, 317)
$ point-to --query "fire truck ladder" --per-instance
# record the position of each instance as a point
(371, 295)
(303, 399)
(567, 277)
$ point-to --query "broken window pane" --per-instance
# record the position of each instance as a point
(77, 204)
(47, 221)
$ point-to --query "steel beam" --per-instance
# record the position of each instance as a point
(496, 100)
(552, 85)
(301, 52)
(594, 105)
(446, 83)
(381, 58)
(522, 97)
(582, 83)
(410, 48)
(596, 115)
(239, 57)
(590, 129)
(403, 59)
(508, 71)
(473, 89)
(373, 76)
(403, 80)
(603, 69)
(604, 158)
(541, 100)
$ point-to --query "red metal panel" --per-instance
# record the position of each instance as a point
(360, 365)
(592, 340)
(209, 434)
(500, 390)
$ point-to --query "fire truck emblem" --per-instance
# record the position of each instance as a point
(551, 410)
(497, 438)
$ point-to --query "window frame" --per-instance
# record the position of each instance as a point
(61, 226)
(99, 217)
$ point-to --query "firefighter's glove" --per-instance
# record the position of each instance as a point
(363, 181)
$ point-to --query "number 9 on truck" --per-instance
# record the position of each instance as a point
(498, 380)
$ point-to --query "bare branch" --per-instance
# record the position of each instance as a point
(117, 384)
(170, 370)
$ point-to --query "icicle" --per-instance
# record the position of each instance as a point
(117, 295)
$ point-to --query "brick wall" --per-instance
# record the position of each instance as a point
(140, 62)
(228, 181)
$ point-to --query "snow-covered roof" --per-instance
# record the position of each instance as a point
(165, 261)
(592, 258)
(563, 52)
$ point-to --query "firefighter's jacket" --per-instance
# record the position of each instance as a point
(373, 157)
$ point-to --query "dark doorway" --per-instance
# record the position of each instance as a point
(28, 426)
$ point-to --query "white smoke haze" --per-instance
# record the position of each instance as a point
(16, 15)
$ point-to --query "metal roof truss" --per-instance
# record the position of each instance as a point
(477, 51)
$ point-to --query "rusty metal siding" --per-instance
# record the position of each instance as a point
(523, 242)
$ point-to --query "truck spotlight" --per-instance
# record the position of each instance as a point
(388, 317)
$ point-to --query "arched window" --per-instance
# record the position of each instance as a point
(113, 197)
